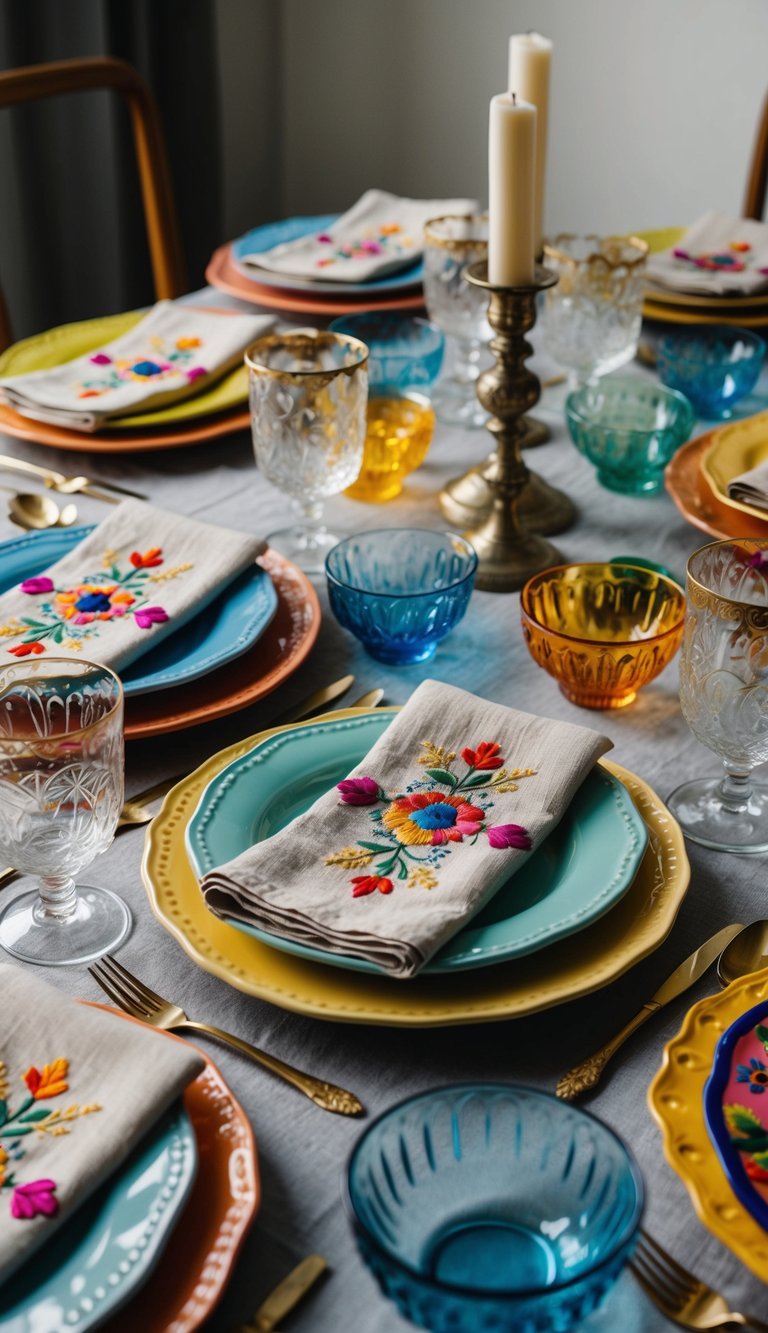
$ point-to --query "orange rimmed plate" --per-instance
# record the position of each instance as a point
(281, 649)
(199, 431)
(183, 1290)
(688, 487)
(223, 272)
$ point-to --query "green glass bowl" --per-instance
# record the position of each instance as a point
(629, 428)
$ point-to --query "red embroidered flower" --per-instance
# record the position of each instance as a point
(49, 1083)
(359, 791)
(24, 649)
(509, 835)
(486, 756)
(365, 884)
(38, 1196)
(149, 559)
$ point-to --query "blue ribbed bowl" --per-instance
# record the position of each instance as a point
(714, 367)
(403, 353)
(400, 590)
(629, 428)
(489, 1208)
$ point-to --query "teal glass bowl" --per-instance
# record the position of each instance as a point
(715, 367)
(629, 428)
(493, 1207)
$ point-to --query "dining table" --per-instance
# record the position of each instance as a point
(303, 1151)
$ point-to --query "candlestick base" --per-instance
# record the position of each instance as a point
(466, 502)
(507, 561)
(536, 433)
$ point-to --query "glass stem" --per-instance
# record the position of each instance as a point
(466, 365)
(735, 791)
(58, 897)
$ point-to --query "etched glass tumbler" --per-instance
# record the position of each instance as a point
(61, 792)
(459, 309)
(724, 694)
(308, 394)
(592, 318)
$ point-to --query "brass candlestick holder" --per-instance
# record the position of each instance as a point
(520, 506)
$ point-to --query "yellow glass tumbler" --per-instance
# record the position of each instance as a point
(398, 434)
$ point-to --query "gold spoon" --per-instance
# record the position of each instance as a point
(36, 512)
(747, 952)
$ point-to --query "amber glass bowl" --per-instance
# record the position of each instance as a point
(603, 631)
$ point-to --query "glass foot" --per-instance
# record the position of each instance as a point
(455, 404)
(98, 925)
(699, 809)
(306, 547)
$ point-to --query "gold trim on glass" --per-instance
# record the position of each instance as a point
(66, 664)
(738, 610)
(305, 345)
(610, 258)
(456, 242)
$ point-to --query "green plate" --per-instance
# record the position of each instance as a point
(68, 341)
(585, 865)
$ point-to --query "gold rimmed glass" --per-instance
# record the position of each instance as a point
(459, 309)
(592, 318)
(308, 393)
(61, 792)
(724, 694)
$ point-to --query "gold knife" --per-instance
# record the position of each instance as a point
(371, 699)
(588, 1073)
(286, 1295)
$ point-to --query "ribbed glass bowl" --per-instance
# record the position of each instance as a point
(490, 1208)
(714, 366)
(400, 590)
(404, 352)
(629, 428)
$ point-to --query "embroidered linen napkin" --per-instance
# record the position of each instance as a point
(380, 233)
(751, 488)
(173, 353)
(140, 575)
(102, 1082)
(392, 862)
(717, 255)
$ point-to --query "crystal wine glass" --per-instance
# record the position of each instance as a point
(724, 694)
(61, 792)
(459, 309)
(592, 317)
(308, 393)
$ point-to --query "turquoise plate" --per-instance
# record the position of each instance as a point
(581, 870)
(98, 1257)
(224, 630)
(291, 229)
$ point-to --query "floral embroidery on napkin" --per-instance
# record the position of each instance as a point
(387, 239)
(736, 259)
(427, 817)
(70, 615)
(158, 364)
(34, 1197)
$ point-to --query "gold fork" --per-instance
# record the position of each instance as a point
(681, 1296)
(130, 994)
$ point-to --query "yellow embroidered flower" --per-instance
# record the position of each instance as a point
(3, 1163)
(50, 1082)
(185, 344)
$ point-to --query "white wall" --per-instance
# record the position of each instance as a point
(654, 102)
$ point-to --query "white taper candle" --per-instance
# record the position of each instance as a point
(511, 169)
(530, 61)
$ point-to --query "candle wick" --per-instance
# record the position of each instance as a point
(514, 99)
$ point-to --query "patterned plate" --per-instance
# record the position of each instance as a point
(734, 1110)
(581, 870)
(292, 229)
(630, 931)
(698, 504)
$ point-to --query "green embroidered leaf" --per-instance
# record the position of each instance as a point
(15, 1131)
(741, 1120)
(402, 871)
(3, 1112)
(761, 1033)
(479, 780)
(375, 846)
(442, 775)
(39, 1113)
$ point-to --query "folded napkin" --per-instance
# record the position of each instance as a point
(380, 233)
(140, 575)
(717, 255)
(751, 488)
(103, 1084)
(391, 863)
(173, 353)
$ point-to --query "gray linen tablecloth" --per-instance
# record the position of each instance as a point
(303, 1150)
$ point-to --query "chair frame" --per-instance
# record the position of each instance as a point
(757, 180)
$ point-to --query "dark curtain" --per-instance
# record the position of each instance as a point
(72, 239)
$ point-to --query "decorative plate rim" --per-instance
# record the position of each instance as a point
(713, 1115)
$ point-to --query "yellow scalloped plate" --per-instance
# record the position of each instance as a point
(630, 931)
(676, 1099)
(736, 448)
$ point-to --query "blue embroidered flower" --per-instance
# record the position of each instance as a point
(440, 815)
(755, 1074)
(93, 601)
(146, 368)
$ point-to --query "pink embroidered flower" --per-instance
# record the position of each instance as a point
(24, 649)
(147, 616)
(485, 757)
(324, 238)
(195, 373)
(38, 1196)
(359, 791)
(509, 835)
(101, 359)
(365, 884)
(37, 585)
(371, 247)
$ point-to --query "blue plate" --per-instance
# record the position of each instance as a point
(292, 229)
(731, 1159)
(95, 1261)
(582, 869)
(224, 630)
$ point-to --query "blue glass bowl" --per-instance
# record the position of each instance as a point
(493, 1207)
(714, 367)
(629, 428)
(400, 590)
(404, 353)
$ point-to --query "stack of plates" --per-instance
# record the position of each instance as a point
(671, 307)
(699, 474)
(193, 1179)
(218, 410)
(600, 894)
(278, 291)
(255, 635)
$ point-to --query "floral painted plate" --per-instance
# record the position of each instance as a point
(292, 229)
(586, 864)
(736, 1109)
(90, 1266)
(225, 630)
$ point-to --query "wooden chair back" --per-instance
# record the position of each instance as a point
(757, 180)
